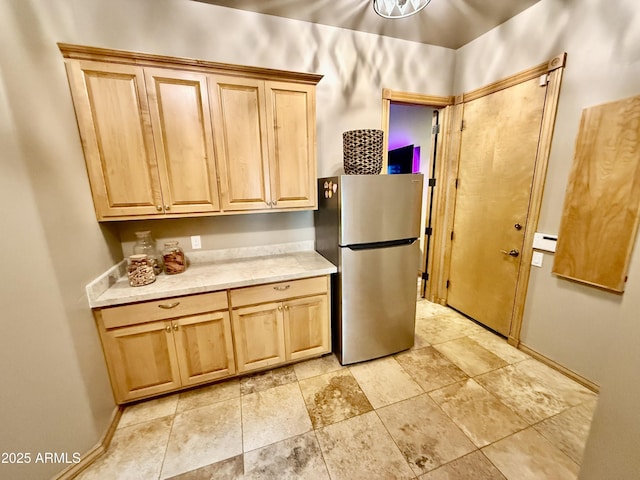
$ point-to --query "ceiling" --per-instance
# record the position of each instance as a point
(447, 23)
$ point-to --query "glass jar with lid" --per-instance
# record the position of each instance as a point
(145, 245)
(173, 258)
(140, 270)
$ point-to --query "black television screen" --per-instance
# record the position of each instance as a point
(401, 160)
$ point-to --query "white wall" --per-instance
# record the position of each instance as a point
(592, 332)
(356, 67)
(56, 395)
(612, 447)
(567, 322)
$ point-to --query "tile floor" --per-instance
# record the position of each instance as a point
(462, 404)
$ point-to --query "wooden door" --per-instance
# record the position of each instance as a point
(292, 144)
(239, 120)
(204, 347)
(259, 336)
(429, 197)
(142, 360)
(498, 149)
(306, 327)
(181, 121)
(115, 128)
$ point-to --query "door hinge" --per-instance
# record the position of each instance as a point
(425, 276)
(435, 129)
(432, 182)
(428, 231)
(448, 283)
(457, 182)
(451, 235)
(461, 125)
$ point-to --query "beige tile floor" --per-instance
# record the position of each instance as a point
(462, 404)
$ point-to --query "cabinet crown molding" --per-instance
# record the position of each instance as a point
(83, 52)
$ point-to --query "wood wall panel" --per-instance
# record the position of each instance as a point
(602, 204)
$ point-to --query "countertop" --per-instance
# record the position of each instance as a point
(207, 274)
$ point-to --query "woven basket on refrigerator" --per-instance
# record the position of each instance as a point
(363, 151)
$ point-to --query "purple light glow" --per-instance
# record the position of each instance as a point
(399, 139)
(416, 159)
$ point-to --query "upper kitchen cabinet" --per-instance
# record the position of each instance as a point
(241, 141)
(146, 134)
(181, 125)
(291, 130)
(265, 137)
(115, 128)
(168, 137)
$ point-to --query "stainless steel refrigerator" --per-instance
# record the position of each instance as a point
(369, 226)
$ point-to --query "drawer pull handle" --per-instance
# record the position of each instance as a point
(167, 306)
(282, 288)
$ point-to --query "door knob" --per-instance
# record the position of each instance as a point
(517, 226)
(513, 252)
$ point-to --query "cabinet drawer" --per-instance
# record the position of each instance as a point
(161, 309)
(274, 292)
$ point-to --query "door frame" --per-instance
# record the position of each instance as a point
(447, 170)
(444, 105)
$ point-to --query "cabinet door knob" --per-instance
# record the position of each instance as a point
(281, 288)
(168, 328)
(286, 307)
(167, 207)
(167, 306)
(274, 203)
(279, 308)
(175, 327)
(159, 208)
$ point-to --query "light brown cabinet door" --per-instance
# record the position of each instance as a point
(292, 144)
(142, 360)
(113, 118)
(259, 336)
(204, 347)
(239, 122)
(180, 116)
(306, 327)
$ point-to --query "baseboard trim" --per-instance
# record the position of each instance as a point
(564, 370)
(72, 471)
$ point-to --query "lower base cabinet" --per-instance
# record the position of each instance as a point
(280, 322)
(162, 346)
(188, 346)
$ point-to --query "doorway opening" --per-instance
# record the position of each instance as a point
(462, 148)
(411, 124)
(411, 149)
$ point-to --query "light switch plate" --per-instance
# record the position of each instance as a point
(545, 241)
(195, 242)
(536, 260)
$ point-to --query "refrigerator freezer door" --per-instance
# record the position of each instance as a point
(378, 291)
(378, 208)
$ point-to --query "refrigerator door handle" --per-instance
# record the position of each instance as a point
(387, 244)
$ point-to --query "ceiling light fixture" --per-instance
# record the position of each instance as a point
(398, 8)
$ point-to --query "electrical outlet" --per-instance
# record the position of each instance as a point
(536, 260)
(195, 242)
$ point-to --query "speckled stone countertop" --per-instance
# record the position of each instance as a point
(212, 271)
